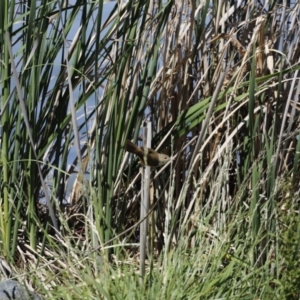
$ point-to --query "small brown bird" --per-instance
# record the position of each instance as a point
(147, 156)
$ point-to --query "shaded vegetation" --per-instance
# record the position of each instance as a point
(220, 84)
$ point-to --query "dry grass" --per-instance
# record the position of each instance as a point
(220, 85)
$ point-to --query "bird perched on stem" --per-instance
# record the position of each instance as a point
(147, 156)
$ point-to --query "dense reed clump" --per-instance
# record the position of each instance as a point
(219, 82)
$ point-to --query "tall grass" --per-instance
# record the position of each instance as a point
(219, 82)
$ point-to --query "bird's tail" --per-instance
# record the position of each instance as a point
(131, 147)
